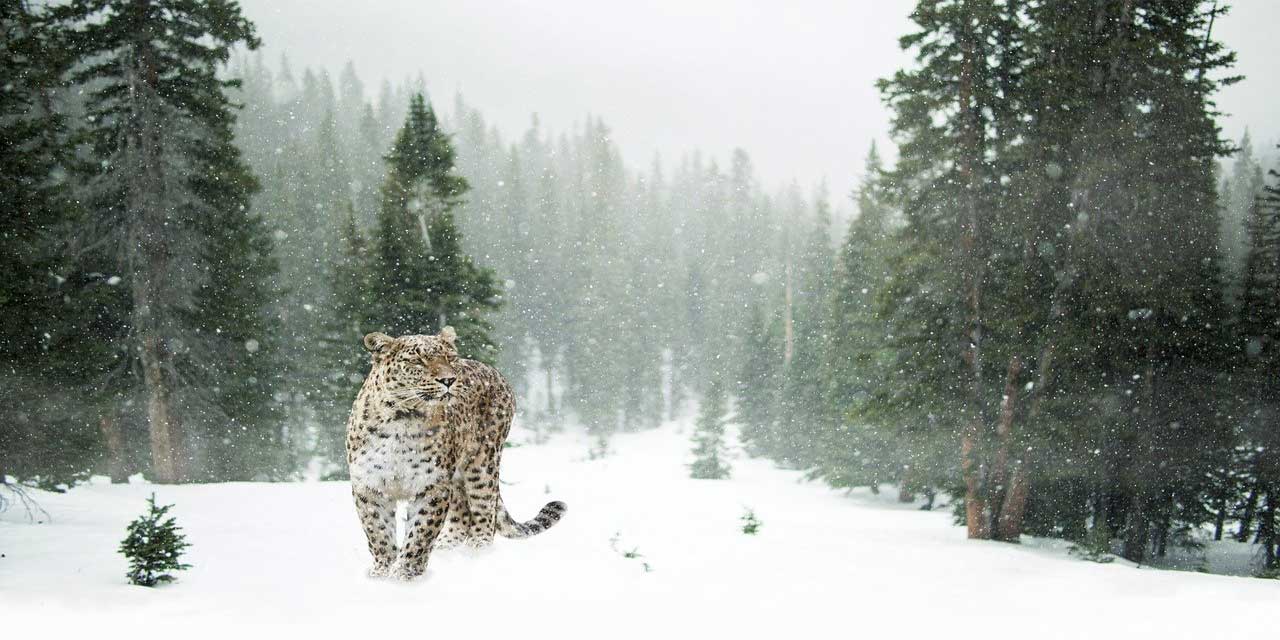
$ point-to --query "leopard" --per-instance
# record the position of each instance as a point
(428, 429)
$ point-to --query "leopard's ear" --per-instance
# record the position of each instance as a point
(449, 335)
(377, 342)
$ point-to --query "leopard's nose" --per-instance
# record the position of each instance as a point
(447, 382)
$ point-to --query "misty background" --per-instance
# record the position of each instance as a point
(792, 82)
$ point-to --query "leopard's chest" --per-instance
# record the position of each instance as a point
(401, 458)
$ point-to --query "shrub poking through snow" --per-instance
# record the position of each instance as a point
(153, 546)
(599, 448)
(750, 523)
(1096, 546)
(632, 554)
(708, 438)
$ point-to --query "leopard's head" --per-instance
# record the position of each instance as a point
(416, 371)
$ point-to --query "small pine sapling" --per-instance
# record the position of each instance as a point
(600, 448)
(154, 546)
(1096, 545)
(750, 523)
(708, 437)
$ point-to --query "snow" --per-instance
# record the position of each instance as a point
(291, 557)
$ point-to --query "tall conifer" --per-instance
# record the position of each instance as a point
(423, 278)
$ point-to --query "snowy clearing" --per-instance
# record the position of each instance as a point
(292, 557)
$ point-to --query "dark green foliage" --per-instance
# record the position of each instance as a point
(1258, 399)
(1046, 289)
(857, 447)
(708, 436)
(167, 194)
(422, 277)
(1096, 546)
(242, 435)
(340, 345)
(804, 407)
(58, 362)
(154, 546)
(414, 276)
(757, 387)
(750, 523)
(1259, 304)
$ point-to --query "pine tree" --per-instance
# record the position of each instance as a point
(62, 313)
(424, 280)
(154, 546)
(1237, 195)
(1258, 329)
(757, 388)
(160, 135)
(346, 363)
(855, 448)
(239, 434)
(1260, 304)
(953, 112)
(708, 438)
(804, 406)
(1141, 307)
(601, 347)
(1029, 129)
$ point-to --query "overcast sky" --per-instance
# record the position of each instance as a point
(791, 81)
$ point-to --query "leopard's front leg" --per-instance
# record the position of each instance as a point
(378, 517)
(425, 517)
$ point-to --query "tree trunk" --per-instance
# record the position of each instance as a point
(551, 397)
(1014, 508)
(974, 446)
(788, 335)
(929, 496)
(1267, 531)
(1246, 518)
(977, 516)
(1138, 524)
(1162, 535)
(1009, 474)
(1220, 520)
(164, 428)
(152, 219)
(1136, 530)
(113, 440)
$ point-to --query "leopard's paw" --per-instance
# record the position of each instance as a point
(407, 573)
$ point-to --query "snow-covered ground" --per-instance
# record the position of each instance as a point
(290, 558)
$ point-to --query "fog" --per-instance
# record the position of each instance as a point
(792, 82)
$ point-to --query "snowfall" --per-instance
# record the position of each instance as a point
(269, 558)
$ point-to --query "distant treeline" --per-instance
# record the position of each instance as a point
(608, 295)
(622, 291)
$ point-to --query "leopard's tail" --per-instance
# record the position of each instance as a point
(550, 514)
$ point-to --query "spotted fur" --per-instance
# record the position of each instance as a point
(427, 428)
